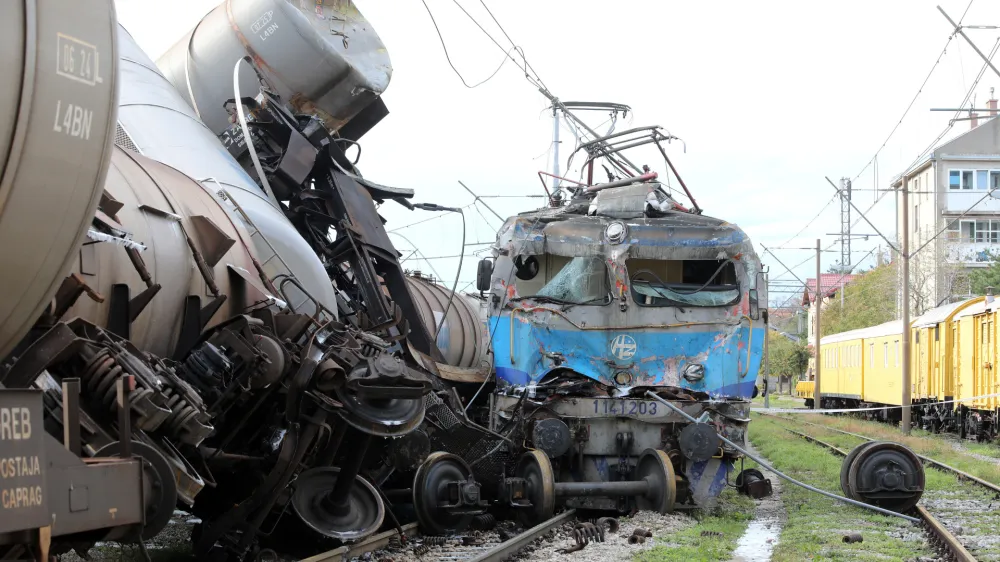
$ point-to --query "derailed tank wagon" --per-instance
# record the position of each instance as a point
(195, 338)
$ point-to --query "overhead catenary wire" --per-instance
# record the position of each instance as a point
(448, 56)
(428, 219)
(920, 90)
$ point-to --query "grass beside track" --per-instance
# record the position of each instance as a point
(816, 524)
(713, 538)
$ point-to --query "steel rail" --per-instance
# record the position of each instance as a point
(498, 553)
(945, 538)
(961, 474)
(374, 542)
(508, 548)
(939, 533)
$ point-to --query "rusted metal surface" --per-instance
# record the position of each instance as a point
(140, 183)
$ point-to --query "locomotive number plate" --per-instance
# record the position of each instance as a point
(633, 408)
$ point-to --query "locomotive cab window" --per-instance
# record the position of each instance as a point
(581, 280)
(683, 282)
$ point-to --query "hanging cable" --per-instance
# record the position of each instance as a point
(920, 90)
(448, 57)
(461, 258)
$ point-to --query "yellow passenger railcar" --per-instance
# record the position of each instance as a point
(976, 379)
(932, 348)
(954, 362)
(882, 374)
(841, 377)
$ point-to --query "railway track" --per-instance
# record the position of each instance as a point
(484, 547)
(941, 537)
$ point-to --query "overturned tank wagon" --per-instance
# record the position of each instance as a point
(216, 325)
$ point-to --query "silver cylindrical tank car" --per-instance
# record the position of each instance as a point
(162, 209)
(157, 122)
(57, 115)
(323, 57)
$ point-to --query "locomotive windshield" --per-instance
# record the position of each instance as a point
(561, 280)
(683, 282)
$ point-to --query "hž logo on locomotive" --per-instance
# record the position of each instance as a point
(23, 503)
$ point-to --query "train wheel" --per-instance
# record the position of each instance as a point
(845, 469)
(540, 484)
(312, 501)
(159, 489)
(888, 475)
(655, 467)
(430, 487)
(384, 417)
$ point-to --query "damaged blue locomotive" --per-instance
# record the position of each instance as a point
(594, 300)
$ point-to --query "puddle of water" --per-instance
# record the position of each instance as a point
(757, 541)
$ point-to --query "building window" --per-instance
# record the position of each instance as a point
(982, 179)
(973, 179)
(916, 218)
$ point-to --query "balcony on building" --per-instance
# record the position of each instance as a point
(972, 190)
(972, 242)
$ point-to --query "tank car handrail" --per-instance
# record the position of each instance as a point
(226, 196)
(288, 278)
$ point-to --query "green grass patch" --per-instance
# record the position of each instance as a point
(780, 401)
(713, 538)
(816, 524)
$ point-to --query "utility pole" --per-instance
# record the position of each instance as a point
(767, 372)
(555, 148)
(906, 305)
(845, 223)
(819, 306)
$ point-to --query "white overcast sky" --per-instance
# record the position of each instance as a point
(769, 96)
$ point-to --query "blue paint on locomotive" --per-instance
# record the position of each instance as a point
(659, 358)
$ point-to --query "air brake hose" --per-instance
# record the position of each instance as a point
(783, 475)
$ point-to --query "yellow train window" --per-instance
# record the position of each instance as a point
(885, 354)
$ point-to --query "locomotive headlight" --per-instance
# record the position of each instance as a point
(623, 378)
(694, 372)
